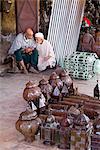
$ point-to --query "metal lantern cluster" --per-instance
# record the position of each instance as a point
(62, 86)
(38, 97)
(51, 111)
(51, 91)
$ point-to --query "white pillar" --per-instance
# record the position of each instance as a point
(64, 28)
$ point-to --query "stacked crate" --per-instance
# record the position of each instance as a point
(80, 65)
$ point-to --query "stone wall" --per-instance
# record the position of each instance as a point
(7, 28)
(8, 21)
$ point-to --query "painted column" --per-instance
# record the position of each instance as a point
(64, 28)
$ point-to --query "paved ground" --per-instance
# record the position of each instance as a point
(12, 104)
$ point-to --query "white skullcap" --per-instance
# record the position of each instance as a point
(40, 35)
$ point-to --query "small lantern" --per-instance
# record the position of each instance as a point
(46, 89)
(66, 78)
(64, 133)
(67, 84)
(32, 94)
(48, 129)
(57, 85)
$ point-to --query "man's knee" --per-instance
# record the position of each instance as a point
(18, 55)
(35, 52)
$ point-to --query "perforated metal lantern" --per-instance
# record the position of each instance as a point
(81, 121)
(45, 87)
(54, 81)
(64, 133)
(31, 92)
(64, 76)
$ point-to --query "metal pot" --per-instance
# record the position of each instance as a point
(31, 92)
(28, 124)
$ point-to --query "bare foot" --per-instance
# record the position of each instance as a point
(31, 69)
(24, 71)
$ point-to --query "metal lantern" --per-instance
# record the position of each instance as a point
(31, 92)
(28, 124)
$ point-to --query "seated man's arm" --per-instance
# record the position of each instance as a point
(31, 47)
(50, 52)
(17, 44)
(28, 50)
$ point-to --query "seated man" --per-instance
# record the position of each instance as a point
(24, 49)
(96, 47)
(46, 54)
(87, 41)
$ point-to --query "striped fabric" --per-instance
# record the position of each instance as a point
(64, 27)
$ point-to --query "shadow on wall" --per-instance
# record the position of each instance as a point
(4, 47)
(5, 43)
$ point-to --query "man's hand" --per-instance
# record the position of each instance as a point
(28, 50)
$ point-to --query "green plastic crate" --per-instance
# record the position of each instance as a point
(80, 65)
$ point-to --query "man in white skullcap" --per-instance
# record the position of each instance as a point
(46, 54)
